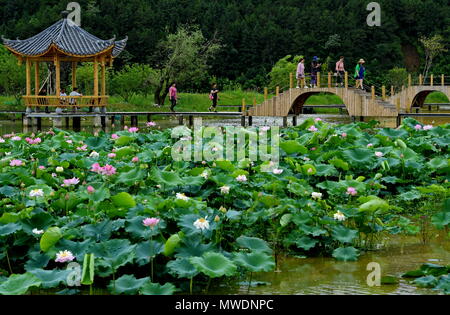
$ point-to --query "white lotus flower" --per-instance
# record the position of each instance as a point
(316, 195)
(59, 169)
(2, 140)
(241, 178)
(202, 224)
(37, 193)
(205, 175)
(379, 154)
(94, 154)
(182, 197)
(225, 190)
(64, 256)
(38, 232)
(339, 216)
(278, 171)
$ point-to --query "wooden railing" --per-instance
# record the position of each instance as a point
(66, 101)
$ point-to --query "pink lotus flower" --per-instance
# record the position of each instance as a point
(115, 137)
(51, 133)
(313, 129)
(242, 178)
(151, 222)
(69, 141)
(90, 190)
(135, 159)
(16, 163)
(96, 168)
(64, 256)
(16, 138)
(108, 170)
(313, 149)
(352, 191)
(344, 135)
(42, 168)
(428, 127)
(418, 127)
(31, 141)
(151, 124)
(2, 140)
(318, 119)
(379, 154)
(70, 182)
(133, 130)
(83, 148)
(112, 155)
(370, 145)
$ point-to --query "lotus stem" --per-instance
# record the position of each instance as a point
(250, 282)
(9, 263)
(209, 283)
(191, 284)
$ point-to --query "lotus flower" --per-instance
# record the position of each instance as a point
(38, 232)
(339, 216)
(352, 191)
(316, 195)
(64, 256)
(182, 197)
(37, 193)
(2, 140)
(90, 190)
(16, 138)
(115, 137)
(135, 159)
(112, 155)
(202, 224)
(151, 222)
(418, 127)
(94, 154)
(379, 154)
(225, 190)
(59, 169)
(133, 130)
(108, 170)
(313, 129)
(16, 163)
(83, 148)
(151, 124)
(278, 171)
(70, 182)
(428, 127)
(242, 178)
(42, 168)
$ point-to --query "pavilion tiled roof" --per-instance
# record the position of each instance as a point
(68, 38)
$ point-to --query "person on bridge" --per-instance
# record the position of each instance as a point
(340, 71)
(173, 97)
(360, 74)
(301, 74)
(214, 97)
(315, 68)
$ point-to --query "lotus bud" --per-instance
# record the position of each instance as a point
(223, 210)
(217, 219)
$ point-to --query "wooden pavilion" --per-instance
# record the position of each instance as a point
(65, 41)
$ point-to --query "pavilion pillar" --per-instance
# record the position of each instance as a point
(74, 75)
(28, 71)
(103, 78)
(37, 83)
(58, 75)
(95, 80)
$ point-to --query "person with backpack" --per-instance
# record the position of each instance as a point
(214, 97)
(340, 71)
(315, 68)
(360, 74)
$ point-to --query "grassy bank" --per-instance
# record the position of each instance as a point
(194, 102)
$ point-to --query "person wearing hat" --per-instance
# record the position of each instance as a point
(315, 68)
(360, 74)
(301, 74)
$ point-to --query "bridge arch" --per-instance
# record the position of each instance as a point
(419, 98)
(299, 101)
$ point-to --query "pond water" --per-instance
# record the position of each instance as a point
(15, 124)
(326, 276)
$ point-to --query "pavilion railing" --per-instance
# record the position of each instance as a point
(65, 101)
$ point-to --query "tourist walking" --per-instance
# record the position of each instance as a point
(360, 74)
(214, 97)
(173, 97)
(340, 72)
(315, 68)
(301, 74)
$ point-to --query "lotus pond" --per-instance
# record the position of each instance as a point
(83, 212)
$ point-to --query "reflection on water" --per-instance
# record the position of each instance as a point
(326, 276)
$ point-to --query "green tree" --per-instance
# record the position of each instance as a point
(397, 78)
(434, 46)
(183, 57)
(279, 76)
(12, 76)
(132, 79)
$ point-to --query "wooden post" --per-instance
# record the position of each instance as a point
(420, 79)
(432, 80)
(373, 93)
(318, 79)
(329, 80)
(37, 83)
(74, 75)
(392, 90)
(383, 92)
(409, 80)
(266, 94)
(291, 80)
(443, 80)
(244, 106)
(58, 75)
(285, 121)
(277, 93)
(103, 91)
(398, 105)
(28, 71)
(96, 79)
(346, 79)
